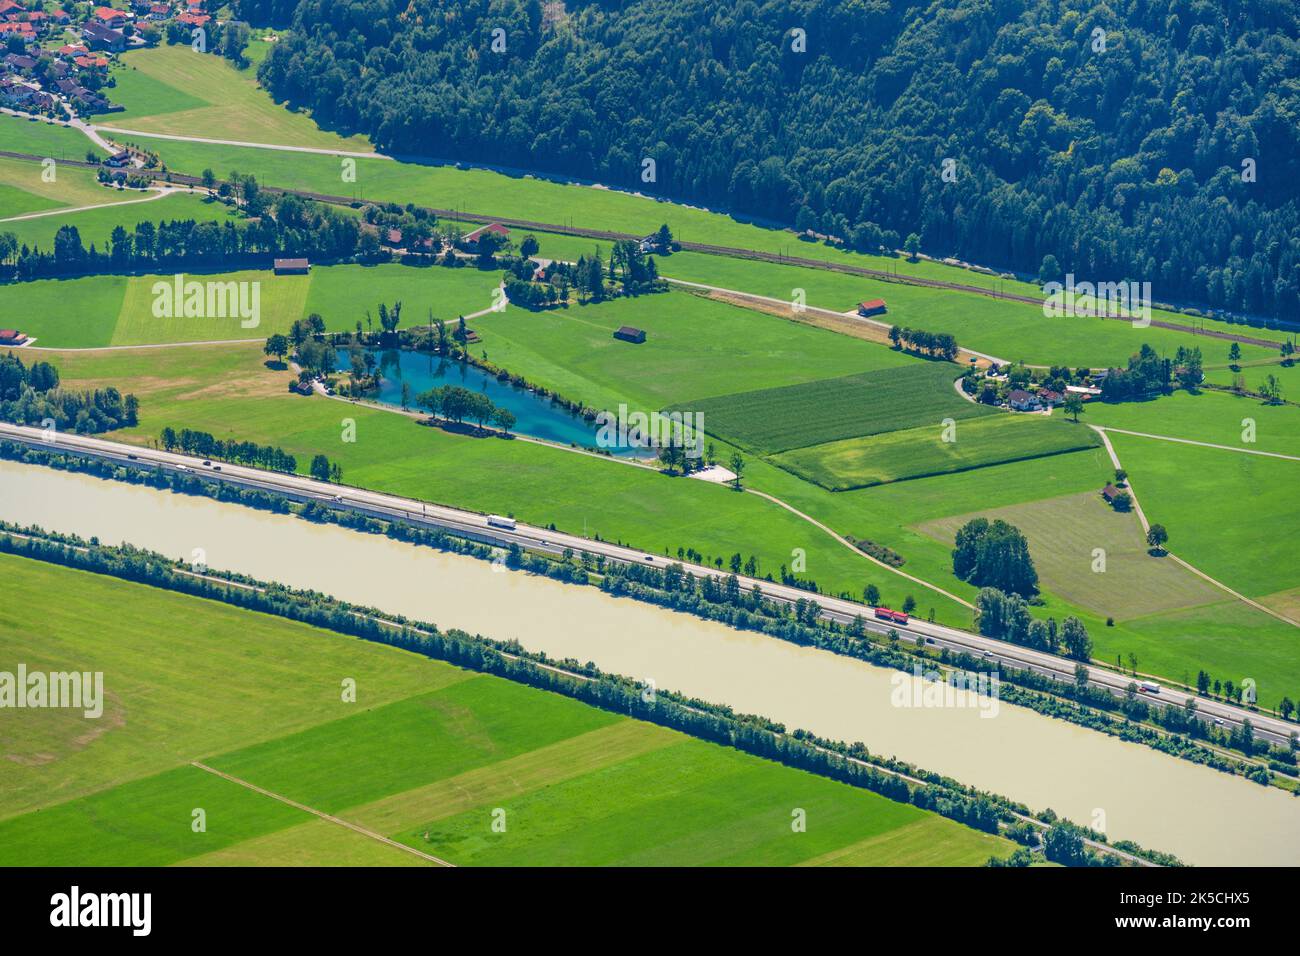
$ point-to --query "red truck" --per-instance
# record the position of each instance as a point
(897, 617)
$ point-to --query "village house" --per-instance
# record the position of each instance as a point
(470, 239)
(629, 334)
(109, 17)
(18, 28)
(1021, 401)
(104, 38)
(19, 63)
(1050, 397)
(1109, 493)
(11, 337)
(193, 19)
(1084, 392)
(14, 90)
(872, 307)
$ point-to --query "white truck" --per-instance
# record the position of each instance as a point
(496, 521)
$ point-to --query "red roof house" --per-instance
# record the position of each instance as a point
(873, 307)
(473, 237)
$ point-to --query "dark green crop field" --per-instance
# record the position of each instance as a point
(772, 420)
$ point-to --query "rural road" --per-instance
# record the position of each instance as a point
(318, 150)
(473, 525)
(157, 193)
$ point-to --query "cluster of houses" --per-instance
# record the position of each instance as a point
(54, 66)
(1040, 396)
(393, 238)
(1024, 400)
(17, 20)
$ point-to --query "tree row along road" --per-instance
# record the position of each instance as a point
(727, 251)
(474, 526)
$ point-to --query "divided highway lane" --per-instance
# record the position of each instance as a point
(474, 525)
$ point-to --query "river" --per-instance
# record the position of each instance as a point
(1202, 815)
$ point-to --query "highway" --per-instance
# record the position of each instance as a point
(474, 526)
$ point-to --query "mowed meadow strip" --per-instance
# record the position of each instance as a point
(773, 420)
(935, 449)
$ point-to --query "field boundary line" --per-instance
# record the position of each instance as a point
(1202, 444)
(156, 194)
(1146, 525)
(858, 551)
(280, 147)
(320, 813)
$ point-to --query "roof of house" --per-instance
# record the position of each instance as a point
(1050, 394)
(496, 227)
(1110, 491)
(872, 304)
(194, 19)
(629, 330)
(99, 32)
(108, 14)
(1020, 395)
(291, 263)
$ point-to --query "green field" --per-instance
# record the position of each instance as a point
(23, 190)
(1064, 535)
(15, 201)
(96, 225)
(97, 311)
(427, 749)
(1014, 331)
(1214, 417)
(37, 137)
(1228, 513)
(695, 348)
(172, 89)
(769, 420)
(918, 452)
(1254, 375)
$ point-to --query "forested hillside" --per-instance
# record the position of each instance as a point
(1119, 154)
